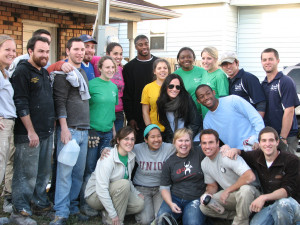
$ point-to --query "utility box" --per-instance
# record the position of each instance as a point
(106, 34)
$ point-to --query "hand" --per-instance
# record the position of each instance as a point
(115, 221)
(105, 153)
(203, 197)
(255, 146)
(133, 124)
(257, 204)
(34, 140)
(284, 141)
(65, 136)
(67, 67)
(1, 124)
(175, 208)
(225, 194)
(231, 153)
(141, 196)
(94, 139)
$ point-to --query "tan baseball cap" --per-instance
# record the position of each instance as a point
(228, 57)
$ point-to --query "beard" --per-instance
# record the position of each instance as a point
(40, 61)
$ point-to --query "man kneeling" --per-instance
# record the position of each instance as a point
(234, 176)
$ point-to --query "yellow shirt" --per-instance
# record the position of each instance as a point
(150, 95)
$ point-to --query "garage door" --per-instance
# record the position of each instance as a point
(268, 27)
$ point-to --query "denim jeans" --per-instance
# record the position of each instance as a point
(153, 200)
(32, 169)
(284, 211)
(191, 213)
(119, 122)
(69, 179)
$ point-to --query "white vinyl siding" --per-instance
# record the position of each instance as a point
(268, 27)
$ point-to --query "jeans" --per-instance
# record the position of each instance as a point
(153, 200)
(284, 211)
(119, 122)
(32, 169)
(191, 214)
(69, 179)
(93, 154)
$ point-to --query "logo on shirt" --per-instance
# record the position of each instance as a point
(197, 80)
(188, 167)
(238, 87)
(34, 80)
(274, 87)
(114, 93)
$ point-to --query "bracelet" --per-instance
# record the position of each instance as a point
(282, 138)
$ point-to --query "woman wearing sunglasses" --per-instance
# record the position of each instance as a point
(176, 108)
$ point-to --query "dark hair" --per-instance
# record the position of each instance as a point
(184, 49)
(155, 63)
(268, 50)
(183, 107)
(122, 133)
(104, 58)
(139, 37)
(111, 46)
(201, 86)
(70, 42)
(209, 131)
(34, 39)
(268, 130)
(40, 31)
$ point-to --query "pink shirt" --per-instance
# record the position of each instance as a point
(117, 80)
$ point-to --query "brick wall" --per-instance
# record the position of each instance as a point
(69, 25)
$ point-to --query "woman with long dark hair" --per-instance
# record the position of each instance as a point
(176, 108)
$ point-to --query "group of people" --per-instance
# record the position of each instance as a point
(176, 123)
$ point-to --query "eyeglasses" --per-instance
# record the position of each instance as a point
(171, 86)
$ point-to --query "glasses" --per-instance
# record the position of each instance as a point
(171, 86)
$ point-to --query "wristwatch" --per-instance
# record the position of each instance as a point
(282, 138)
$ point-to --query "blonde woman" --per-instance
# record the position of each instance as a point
(214, 77)
(7, 106)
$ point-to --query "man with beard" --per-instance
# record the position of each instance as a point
(137, 73)
(232, 117)
(72, 110)
(282, 99)
(33, 133)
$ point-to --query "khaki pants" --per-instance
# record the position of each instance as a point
(6, 140)
(237, 205)
(124, 201)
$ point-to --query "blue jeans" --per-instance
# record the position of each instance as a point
(32, 169)
(119, 122)
(191, 213)
(284, 211)
(69, 179)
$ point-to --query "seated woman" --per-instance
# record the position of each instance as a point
(109, 187)
(182, 181)
(176, 108)
(150, 157)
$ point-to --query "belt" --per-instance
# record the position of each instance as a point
(78, 128)
(145, 186)
(10, 119)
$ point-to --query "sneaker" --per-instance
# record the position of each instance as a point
(87, 210)
(22, 218)
(81, 217)
(45, 212)
(7, 206)
(58, 221)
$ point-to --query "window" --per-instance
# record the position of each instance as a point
(157, 34)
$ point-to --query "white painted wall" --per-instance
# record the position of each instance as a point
(264, 27)
(198, 27)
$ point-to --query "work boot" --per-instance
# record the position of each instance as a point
(58, 221)
(22, 218)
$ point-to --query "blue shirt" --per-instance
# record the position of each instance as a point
(235, 120)
(247, 86)
(89, 70)
(278, 101)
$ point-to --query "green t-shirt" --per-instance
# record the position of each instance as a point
(104, 98)
(192, 79)
(124, 160)
(218, 81)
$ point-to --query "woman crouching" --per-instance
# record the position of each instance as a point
(109, 187)
(182, 181)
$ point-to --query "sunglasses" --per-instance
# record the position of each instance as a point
(171, 86)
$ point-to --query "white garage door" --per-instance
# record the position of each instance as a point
(268, 27)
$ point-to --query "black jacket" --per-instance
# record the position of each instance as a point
(33, 96)
(192, 121)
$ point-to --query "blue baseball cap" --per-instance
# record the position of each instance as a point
(87, 38)
(149, 128)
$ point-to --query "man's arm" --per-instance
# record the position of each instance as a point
(246, 178)
(211, 188)
(32, 136)
(259, 202)
(287, 121)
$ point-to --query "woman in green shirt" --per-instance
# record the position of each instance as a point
(214, 77)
